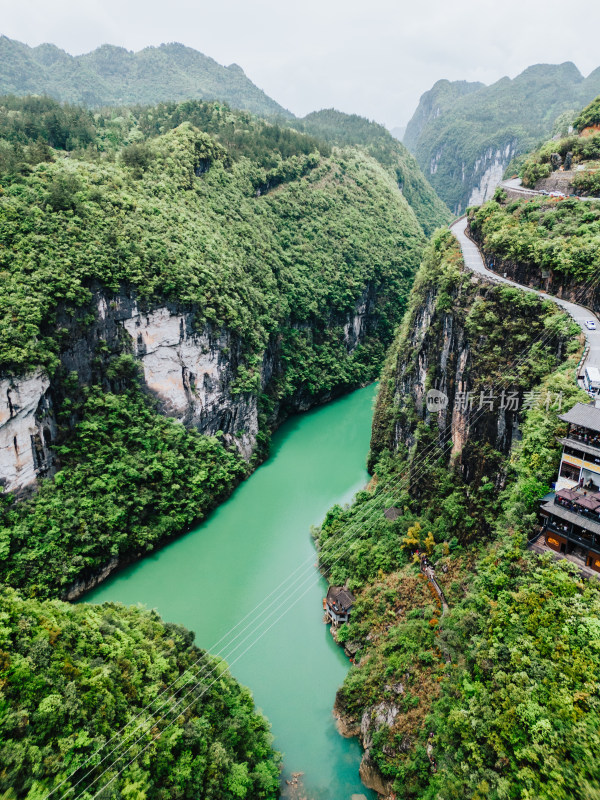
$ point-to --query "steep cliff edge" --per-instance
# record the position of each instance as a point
(453, 482)
(466, 338)
(543, 243)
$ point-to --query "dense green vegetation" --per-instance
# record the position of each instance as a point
(538, 165)
(589, 116)
(443, 95)
(500, 688)
(452, 131)
(543, 235)
(352, 130)
(252, 226)
(73, 677)
(585, 156)
(29, 126)
(247, 257)
(129, 479)
(114, 76)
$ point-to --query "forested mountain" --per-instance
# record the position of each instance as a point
(442, 97)
(184, 260)
(350, 129)
(86, 689)
(115, 76)
(488, 694)
(464, 135)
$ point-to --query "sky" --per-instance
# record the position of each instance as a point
(369, 57)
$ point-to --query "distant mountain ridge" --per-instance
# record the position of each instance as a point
(113, 75)
(352, 130)
(464, 135)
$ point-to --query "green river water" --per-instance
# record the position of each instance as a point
(213, 577)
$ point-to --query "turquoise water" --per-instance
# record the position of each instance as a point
(211, 578)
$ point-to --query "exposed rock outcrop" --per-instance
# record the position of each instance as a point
(439, 354)
(193, 374)
(488, 171)
(27, 427)
(373, 720)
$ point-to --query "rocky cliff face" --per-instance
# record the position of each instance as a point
(440, 355)
(488, 170)
(476, 179)
(452, 345)
(191, 373)
(528, 274)
(27, 428)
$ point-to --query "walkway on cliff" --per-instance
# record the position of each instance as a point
(474, 261)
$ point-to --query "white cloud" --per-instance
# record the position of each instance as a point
(373, 58)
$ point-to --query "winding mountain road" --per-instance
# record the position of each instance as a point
(475, 262)
(515, 185)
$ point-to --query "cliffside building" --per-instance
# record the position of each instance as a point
(338, 604)
(571, 518)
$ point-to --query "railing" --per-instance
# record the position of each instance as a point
(573, 537)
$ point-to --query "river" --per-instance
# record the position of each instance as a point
(211, 578)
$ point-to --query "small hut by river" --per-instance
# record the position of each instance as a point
(338, 605)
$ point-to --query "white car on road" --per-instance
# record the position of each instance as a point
(590, 324)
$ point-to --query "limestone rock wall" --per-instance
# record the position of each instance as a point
(192, 374)
(488, 171)
(27, 428)
(439, 354)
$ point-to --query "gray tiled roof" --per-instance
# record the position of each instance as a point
(342, 597)
(577, 445)
(569, 516)
(585, 414)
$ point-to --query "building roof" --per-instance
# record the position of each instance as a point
(577, 445)
(569, 516)
(568, 494)
(392, 513)
(341, 596)
(584, 414)
(590, 501)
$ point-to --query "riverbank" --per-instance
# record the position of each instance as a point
(210, 578)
